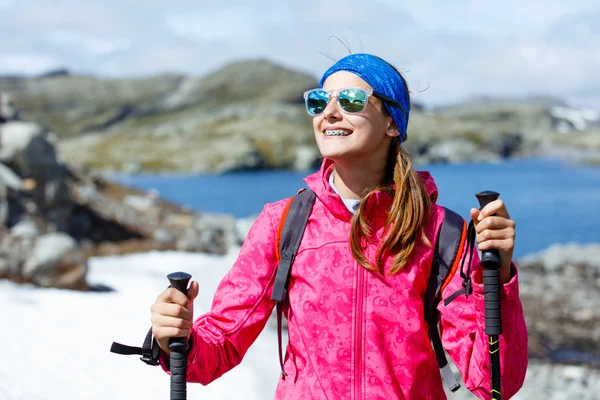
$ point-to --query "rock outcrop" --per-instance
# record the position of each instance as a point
(560, 290)
(54, 216)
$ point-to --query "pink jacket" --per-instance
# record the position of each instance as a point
(354, 334)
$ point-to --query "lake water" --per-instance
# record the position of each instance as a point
(551, 202)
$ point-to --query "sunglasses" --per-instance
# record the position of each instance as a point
(350, 100)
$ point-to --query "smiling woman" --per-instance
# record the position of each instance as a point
(355, 305)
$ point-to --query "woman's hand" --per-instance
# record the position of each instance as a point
(173, 315)
(495, 230)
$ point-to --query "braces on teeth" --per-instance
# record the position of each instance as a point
(337, 132)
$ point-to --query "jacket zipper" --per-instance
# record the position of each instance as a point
(358, 333)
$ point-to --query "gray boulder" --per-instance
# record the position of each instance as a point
(55, 261)
(560, 290)
(8, 111)
(25, 229)
(15, 136)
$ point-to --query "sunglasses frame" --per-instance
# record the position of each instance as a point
(335, 93)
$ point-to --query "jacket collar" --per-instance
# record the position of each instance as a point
(377, 205)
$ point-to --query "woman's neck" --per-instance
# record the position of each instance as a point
(353, 182)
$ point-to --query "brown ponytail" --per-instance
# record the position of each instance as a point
(410, 210)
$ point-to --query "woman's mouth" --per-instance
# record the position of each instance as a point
(336, 132)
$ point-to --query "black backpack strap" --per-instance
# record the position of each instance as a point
(447, 254)
(150, 351)
(294, 223)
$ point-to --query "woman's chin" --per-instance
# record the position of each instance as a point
(335, 155)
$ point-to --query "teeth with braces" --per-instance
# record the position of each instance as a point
(337, 132)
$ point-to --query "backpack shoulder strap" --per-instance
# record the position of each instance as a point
(449, 249)
(289, 235)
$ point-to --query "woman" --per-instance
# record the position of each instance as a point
(355, 316)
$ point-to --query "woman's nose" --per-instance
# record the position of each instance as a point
(332, 111)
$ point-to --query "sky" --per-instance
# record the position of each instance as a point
(448, 50)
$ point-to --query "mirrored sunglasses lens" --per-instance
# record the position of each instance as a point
(352, 100)
(316, 102)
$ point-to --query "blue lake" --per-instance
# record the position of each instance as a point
(550, 201)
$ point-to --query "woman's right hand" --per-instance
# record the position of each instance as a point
(173, 315)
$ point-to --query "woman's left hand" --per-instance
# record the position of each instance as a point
(495, 230)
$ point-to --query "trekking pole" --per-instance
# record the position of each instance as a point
(178, 346)
(490, 259)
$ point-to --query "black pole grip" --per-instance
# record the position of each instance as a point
(491, 288)
(178, 346)
(490, 260)
(178, 375)
(179, 280)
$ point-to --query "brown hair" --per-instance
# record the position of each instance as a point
(406, 218)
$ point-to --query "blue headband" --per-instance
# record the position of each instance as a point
(383, 78)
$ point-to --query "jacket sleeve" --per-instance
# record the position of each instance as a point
(463, 334)
(240, 309)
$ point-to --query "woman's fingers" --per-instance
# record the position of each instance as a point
(496, 207)
(495, 230)
(495, 223)
(171, 310)
(164, 326)
(172, 295)
(172, 316)
(495, 234)
(193, 290)
(502, 245)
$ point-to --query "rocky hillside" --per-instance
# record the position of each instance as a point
(249, 115)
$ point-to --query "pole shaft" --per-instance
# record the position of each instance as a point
(178, 346)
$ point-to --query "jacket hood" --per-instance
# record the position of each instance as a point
(378, 203)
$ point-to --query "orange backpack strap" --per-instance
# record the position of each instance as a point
(286, 209)
(457, 257)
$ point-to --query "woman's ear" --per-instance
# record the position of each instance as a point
(392, 129)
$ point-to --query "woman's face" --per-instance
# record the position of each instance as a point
(366, 136)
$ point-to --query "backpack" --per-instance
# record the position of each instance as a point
(449, 250)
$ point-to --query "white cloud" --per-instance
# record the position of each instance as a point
(211, 26)
(458, 48)
(94, 45)
(578, 30)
